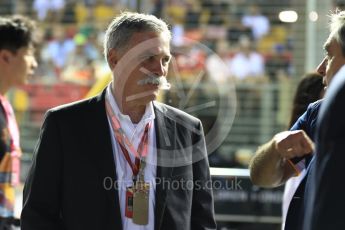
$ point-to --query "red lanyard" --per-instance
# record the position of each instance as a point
(124, 141)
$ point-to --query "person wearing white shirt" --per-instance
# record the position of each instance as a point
(246, 63)
(122, 160)
(259, 24)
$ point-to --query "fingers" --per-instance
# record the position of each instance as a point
(306, 144)
(290, 144)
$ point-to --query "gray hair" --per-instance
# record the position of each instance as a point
(337, 27)
(121, 29)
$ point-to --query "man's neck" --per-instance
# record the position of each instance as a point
(135, 112)
(3, 88)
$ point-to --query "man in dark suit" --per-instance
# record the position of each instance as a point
(121, 160)
(326, 189)
(319, 196)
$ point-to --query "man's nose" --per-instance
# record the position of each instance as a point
(158, 69)
(321, 69)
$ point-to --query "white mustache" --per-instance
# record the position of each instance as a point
(160, 81)
(155, 80)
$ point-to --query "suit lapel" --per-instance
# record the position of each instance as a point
(104, 161)
(165, 128)
(165, 135)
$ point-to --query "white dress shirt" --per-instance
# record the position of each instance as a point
(124, 172)
(291, 187)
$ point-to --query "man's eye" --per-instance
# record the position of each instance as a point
(166, 60)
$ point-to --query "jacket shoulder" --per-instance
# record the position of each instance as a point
(174, 113)
(77, 108)
(316, 104)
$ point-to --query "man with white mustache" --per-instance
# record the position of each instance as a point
(110, 162)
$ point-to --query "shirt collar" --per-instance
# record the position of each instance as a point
(148, 116)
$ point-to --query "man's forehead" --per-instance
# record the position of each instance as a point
(156, 50)
(331, 42)
(327, 44)
(138, 37)
(153, 43)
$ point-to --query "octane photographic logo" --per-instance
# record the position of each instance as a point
(222, 100)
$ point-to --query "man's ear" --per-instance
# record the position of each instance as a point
(112, 58)
(5, 56)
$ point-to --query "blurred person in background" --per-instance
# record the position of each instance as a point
(278, 63)
(50, 10)
(57, 51)
(247, 64)
(309, 89)
(254, 19)
(17, 63)
(81, 64)
(216, 68)
(91, 6)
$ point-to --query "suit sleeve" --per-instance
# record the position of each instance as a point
(302, 124)
(203, 204)
(41, 196)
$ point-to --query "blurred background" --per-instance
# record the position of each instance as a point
(236, 66)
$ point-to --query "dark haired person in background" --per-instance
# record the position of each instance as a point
(17, 62)
(309, 89)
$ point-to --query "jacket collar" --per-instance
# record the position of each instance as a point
(104, 160)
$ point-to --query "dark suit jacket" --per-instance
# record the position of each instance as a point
(307, 122)
(326, 190)
(66, 188)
